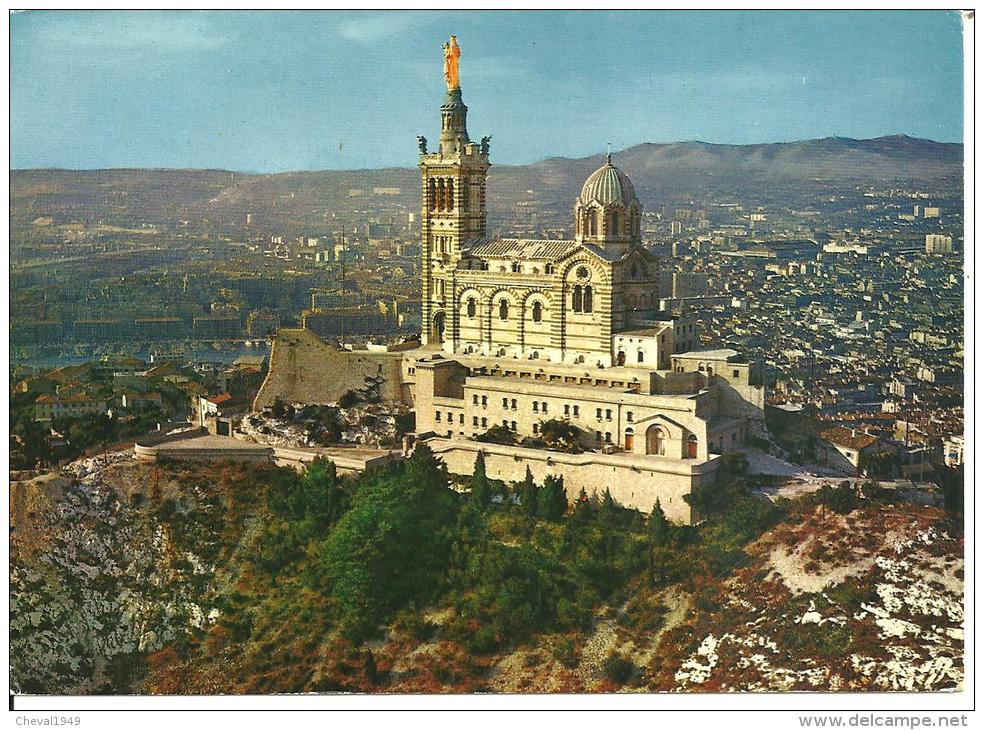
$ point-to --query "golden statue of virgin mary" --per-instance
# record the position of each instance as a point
(451, 54)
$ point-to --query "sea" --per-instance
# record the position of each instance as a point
(218, 353)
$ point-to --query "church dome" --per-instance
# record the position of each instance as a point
(608, 185)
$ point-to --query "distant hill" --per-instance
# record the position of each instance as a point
(793, 171)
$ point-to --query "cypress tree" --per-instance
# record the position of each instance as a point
(481, 492)
(659, 526)
(528, 493)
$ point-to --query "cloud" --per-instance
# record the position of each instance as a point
(368, 27)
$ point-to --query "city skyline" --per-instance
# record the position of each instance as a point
(278, 91)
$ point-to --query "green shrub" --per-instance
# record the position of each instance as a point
(618, 669)
(483, 641)
(564, 653)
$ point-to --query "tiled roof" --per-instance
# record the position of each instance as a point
(521, 248)
(840, 436)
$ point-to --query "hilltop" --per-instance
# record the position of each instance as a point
(254, 579)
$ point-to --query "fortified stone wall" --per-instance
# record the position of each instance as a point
(306, 369)
(635, 483)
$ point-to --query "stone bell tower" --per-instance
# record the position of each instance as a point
(453, 204)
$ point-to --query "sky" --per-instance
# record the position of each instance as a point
(262, 91)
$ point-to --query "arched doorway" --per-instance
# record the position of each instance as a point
(437, 331)
(656, 441)
(629, 439)
(691, 447)
(620, 359)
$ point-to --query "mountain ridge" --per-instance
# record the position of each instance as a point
(788, 173)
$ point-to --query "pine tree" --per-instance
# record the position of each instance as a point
(552, 500)
(607, 511)
(582, 507)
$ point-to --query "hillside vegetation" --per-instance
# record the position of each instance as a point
(179, 578)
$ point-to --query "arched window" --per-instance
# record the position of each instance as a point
(440, 194)
(537, 312)
(592, 223)
(640, 356)
(472, 306)
(548, 269)
(450, 195)
(588, 304)
(615, 223)
(577, 299)
(432, 194)
(503, 309)
(691, 447)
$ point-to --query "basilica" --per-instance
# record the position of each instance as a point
(519, 332)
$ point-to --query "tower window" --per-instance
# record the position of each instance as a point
(592, 223)
(503, 310)
(588, 304)
(449, 204)
(537, 312)
(577, 299)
